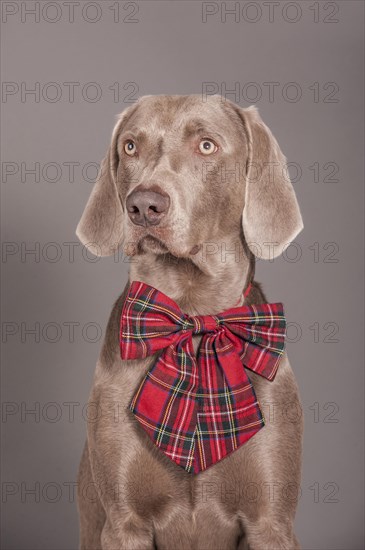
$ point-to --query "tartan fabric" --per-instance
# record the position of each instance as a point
(198, 410)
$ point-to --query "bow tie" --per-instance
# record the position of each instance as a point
(199, 410)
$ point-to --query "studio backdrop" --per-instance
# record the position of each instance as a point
(68, 68)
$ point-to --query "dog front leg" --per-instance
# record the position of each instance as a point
(123, 529)
(269, 535)
(91, 511)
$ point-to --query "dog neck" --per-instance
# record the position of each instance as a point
(209, 282)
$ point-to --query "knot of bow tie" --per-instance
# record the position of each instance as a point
(202, 324)
(198, 410)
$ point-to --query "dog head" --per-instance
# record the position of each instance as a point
(182, 171)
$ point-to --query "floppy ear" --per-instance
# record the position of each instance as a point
(271, 213)
(100, 228)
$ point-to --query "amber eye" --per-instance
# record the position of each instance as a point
(207, 147)
(130, 148)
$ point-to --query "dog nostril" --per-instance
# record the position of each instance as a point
(132, 209)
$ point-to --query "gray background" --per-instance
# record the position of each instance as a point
(169, 49)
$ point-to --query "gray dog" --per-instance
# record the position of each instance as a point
(193, 190)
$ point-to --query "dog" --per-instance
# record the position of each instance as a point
(192, 189)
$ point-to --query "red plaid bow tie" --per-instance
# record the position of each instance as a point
(197, 411)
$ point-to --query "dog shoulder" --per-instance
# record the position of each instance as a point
(110, 351)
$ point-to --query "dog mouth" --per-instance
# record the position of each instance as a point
(148, 242)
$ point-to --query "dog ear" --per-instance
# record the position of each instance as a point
(100, 228)
(271, 213)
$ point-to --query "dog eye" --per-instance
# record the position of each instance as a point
(130, 148)
(207, 147)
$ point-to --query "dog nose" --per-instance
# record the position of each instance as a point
(147, 207)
